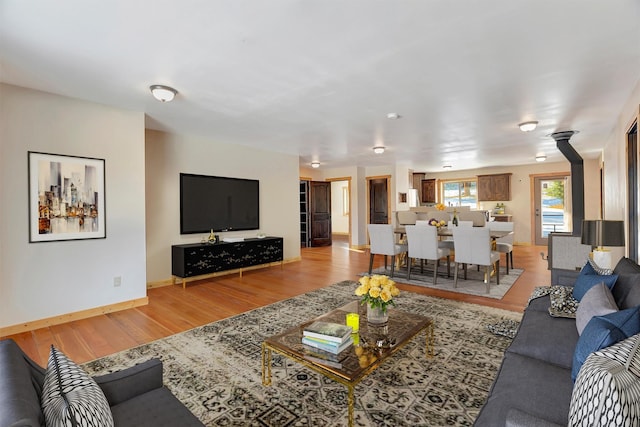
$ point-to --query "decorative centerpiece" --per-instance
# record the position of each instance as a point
(377, 291)
(437, 223)
(440, 206)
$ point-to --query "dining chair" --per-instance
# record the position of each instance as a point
(504, 244)
(382, 241)
(423, 245)
(477, 217)
(448, 242)
(472, 245)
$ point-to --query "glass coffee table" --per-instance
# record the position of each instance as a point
(373, 344)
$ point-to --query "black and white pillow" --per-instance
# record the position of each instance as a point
(563, 304)
(70, 397)
(607, 389)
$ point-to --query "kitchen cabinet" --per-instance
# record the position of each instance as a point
(495, 187)
(428, 191)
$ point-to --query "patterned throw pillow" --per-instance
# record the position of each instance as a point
(607, 390)
(562, 302)
(70, 397)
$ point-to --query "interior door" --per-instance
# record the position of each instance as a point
(320, 211)
(551, 211)
(378, 201)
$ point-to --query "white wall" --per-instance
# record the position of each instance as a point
(41, 280)
(167, 155)
(615, 166)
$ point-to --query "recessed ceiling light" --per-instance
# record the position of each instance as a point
(528, 126)
(393, 116)
(315, 165)
(541, 158)
(378, 149)
(447, 167)
(163, 93)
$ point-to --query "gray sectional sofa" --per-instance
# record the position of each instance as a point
(136, 396)
(534, 384)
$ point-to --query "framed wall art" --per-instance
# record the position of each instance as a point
(66, 197)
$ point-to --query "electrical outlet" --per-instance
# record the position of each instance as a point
(117, 281)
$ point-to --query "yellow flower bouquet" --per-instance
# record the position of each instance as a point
(437, 223)
(378, 291)
(440, 206)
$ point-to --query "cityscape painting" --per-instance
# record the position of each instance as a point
(66, 198)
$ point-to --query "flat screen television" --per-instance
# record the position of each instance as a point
(218, 203)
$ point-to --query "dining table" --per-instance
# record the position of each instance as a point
(448, 232)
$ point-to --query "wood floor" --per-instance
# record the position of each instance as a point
(172, 309)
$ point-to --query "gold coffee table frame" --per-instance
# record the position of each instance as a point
(375, 344)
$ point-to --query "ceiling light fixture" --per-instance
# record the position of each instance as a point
(163, 93)
(528, 126)
(447, 167)
(315, 165)
(393, 116)
(541, 158)
(378, 150)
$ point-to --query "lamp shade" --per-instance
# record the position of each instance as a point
(603, 233)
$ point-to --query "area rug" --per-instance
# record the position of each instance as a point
(215, 370)
(474, 285)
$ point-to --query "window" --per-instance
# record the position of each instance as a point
(460, 193)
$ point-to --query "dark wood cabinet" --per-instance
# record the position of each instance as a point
(494, 187)
(428, 190)
(198, 259)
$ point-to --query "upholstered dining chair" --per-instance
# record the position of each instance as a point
(448, 243)
(422, 244)
(472, 245)
(504, 244)
(382, 241)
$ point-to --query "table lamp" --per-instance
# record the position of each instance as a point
(600, 233)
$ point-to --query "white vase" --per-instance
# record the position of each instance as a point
(376, 316)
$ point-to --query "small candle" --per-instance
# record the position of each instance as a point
(353, 320)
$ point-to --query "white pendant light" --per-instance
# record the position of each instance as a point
(315, 165)
(163, 93)
(378, 150)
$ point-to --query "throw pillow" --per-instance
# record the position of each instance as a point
(607, 390)
(598, 301)
(585, 282)
(598, 269)
(603, 331)
(70, 397)
(627, 289)
(562, 302)
(588, 269)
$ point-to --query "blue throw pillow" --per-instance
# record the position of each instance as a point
(584, 282)
(604, 331)
(588, 270)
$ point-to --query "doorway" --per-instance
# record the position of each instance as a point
(341, 209)
(320, 213)
(378, 194)
(551, 204)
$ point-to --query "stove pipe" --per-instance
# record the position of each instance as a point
(577, 177)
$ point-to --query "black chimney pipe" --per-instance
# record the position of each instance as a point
(577, 177)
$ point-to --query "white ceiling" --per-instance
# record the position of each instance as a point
(316, 78)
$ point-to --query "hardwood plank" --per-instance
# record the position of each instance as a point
(172, 309)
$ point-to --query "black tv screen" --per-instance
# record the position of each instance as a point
(218, 203)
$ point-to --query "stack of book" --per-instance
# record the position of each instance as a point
(328, 337)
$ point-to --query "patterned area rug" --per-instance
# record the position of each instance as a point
(216, 369)
(474, 285)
